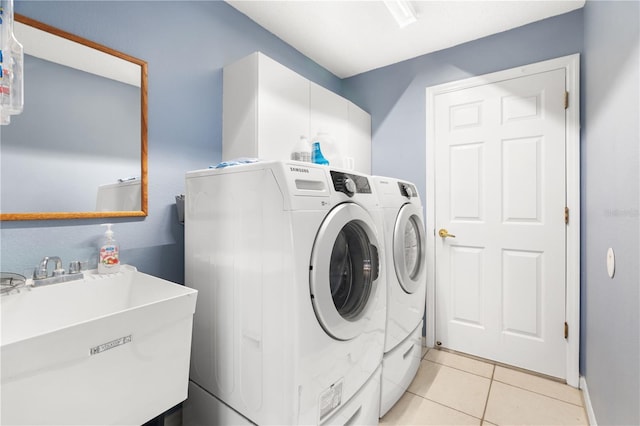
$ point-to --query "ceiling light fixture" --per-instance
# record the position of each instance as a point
(402, 12)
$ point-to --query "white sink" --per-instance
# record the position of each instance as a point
(106, 349)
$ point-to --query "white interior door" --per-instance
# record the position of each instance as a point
(500, 189)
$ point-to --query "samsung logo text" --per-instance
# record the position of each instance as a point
(299, 169)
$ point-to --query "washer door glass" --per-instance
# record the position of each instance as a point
(350, 270)
(344, 271)
(408, 248)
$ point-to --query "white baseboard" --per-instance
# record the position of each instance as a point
(587, 402)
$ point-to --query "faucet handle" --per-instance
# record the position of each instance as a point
(75, 267)
(39, 273)
(41, 270)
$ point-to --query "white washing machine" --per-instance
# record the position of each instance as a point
(404, 235)
(289, 326)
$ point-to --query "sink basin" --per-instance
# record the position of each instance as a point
(104, 349)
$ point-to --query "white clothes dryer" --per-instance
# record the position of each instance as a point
(404, 235)
(289, 325)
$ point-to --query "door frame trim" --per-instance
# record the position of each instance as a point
(571, 64)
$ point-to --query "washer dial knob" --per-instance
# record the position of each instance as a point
(345, 185)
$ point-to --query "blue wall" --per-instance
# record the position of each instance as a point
(611, 210)
(185, 44)
(395, 96)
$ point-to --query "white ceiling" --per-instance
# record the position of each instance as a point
(350, 37)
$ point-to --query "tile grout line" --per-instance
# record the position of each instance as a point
(492, 379)
(538, 393)
(425, 354)
(424, 358)
(463, 370)
(443, 405)
(486, 402)
(501, 381)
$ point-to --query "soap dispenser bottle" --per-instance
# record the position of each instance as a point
(11, 66)
(109, 257)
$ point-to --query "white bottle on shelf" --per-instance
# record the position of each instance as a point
(11, 66)
(301, 150)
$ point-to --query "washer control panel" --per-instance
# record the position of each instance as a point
(407, 190)
(350, 184)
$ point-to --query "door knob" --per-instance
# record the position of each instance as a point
(444, 233)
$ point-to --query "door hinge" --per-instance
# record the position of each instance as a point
(566, 330)
(566, 215)
(566, 100)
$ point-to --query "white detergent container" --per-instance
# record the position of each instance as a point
(301, 150)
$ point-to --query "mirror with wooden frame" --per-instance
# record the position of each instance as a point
(79, 148)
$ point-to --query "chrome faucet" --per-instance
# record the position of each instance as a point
(41, 271)
(58, 275)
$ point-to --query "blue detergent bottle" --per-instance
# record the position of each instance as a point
(316, 155)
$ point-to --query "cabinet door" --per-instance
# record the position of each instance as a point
(357, 153)
(239, 109)
(267, 107)
(283, 109)
(329, 113)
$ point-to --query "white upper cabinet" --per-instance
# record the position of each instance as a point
(267, 107)
(328, 114)
(358, 150)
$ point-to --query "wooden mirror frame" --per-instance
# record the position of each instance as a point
(143, 130)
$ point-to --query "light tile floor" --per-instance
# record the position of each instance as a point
(452, 389)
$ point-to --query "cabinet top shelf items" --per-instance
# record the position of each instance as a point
(267, 107)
